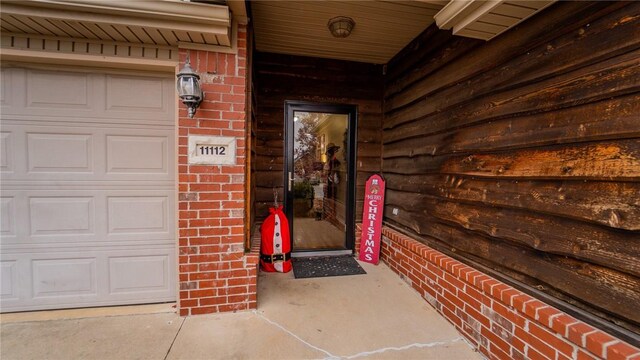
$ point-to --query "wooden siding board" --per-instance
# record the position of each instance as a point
(523, 154)
(550, 25)
(549, 234)
(602, 120)
(607, 203)
(614, 77)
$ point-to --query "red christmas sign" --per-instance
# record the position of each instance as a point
(372, 220)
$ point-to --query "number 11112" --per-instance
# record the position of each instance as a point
(213, 150)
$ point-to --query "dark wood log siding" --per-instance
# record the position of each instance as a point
(522, 154)
(285, 77)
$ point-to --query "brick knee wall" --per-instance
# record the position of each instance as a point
(500, 321)
(215, 273)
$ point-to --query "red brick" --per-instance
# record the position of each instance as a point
(478, 316)
(205, 214)
(583, 355)
(202, 293)
(213, 301)
(452, 289)
(447, 301)
(233, 98)
(238, 299)
(545, 315)
(211, 284)
(495, 340)
(203, 258)
(621, 351)
(560, 324)
(596, 342)
(204, 310)
(518, 301)
(196, 223)
(507, 296)
(532, 307)
(202, 169)
(576, 333)
(198, 276)
(214, 230)
(469, 300)
(188, 303)
(238, 281)
(214, 196)
(532, 354)
(551, 338)
(508, 314)
(535, 343)
(451, 316)
(498, 353)
(478, 295)
(233, 290)
(188, 268)
(488, 285)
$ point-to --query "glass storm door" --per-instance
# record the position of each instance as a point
(320, 176)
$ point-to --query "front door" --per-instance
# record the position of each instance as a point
(320, 176)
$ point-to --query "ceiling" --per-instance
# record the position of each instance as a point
(382, 28)
(300, 27)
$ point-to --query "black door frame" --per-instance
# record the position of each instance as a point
(352, 125)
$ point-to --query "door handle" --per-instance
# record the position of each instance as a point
(290, 181)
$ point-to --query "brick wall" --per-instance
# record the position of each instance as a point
(216, 274)
(500, 321)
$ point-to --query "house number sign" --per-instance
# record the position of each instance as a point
(212, 150)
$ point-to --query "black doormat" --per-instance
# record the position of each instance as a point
(321, 266)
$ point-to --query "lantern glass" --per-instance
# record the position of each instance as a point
(188, 87)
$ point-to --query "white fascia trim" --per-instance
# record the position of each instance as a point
(459, 13)
(167, 9)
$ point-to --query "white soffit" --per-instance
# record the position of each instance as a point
(382, 28)
(486, 19)
(145, 22)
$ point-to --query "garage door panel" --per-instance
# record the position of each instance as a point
(87, 153)
(64, 277)
(123, 94)
(137, 154)
(9, 280)
(96, 218)
(87, 204)
(88, 278)
(74, 90)
(59, 152)
(6, 84)
(152, 274)
(7, 217)
(137, 214)
(58, 215)
(6, 151)
(87, 97)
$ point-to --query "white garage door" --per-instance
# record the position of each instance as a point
(88, 188)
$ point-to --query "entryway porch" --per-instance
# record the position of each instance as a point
(296, 319)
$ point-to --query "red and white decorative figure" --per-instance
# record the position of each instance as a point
(372, 220)
(275, 247)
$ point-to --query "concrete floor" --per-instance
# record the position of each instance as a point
(373, 316)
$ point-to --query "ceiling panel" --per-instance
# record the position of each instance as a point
(300, 27)
(382, 28)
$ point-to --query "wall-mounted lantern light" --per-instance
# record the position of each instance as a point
(341, 26)
(189, 88)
